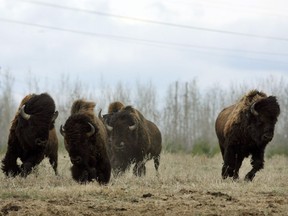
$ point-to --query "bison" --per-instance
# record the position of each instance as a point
(85, 139)
(32, 136)
(134, 139)
(245, 128)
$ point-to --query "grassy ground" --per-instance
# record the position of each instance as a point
(186, 186)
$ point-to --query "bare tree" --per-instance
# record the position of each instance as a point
(146, 100)
(7, 105)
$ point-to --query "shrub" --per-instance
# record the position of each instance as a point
(203, 147)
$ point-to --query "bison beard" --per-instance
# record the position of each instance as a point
(32, 136)
(244, 129)
(133, 140)
(85, 140)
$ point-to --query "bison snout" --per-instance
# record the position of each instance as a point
(40, 142)
(120, 146)
(76, 160)
(267, 137)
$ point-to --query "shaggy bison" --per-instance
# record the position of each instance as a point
(32, 136)
(244, 129)
(85, 139)
(134, 139)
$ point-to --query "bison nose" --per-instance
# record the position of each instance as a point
(267, 137)
(76, 160)
(120, 146)
(40, 142)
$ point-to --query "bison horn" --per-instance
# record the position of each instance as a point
(252, 109)
(92, 130)
(55, 115)
(23, 114)
(100, 115)
(62, 131)
(132, 127)
(109, 128)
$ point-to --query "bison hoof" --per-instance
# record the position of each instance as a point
(235, 177)
(84, 177)
(227, 171)
(249, 176)
(26, 168)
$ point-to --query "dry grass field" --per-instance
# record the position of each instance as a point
(186, 186)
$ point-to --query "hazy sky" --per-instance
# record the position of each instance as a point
(215, 41)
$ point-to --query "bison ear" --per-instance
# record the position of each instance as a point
(253, 110)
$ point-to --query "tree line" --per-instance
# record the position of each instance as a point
(184, 112)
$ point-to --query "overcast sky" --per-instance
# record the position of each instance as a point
(214, 41)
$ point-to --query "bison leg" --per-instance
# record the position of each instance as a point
(53, 160)
(30, 162)
(79, 174)
(139, 169)
(156, 162)
(9, 164)
(239, 159)
(103, 171)
(26, 169)
(119, 167)
(257, 162)
(228, 168)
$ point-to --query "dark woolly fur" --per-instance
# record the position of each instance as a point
(136, 145)
(33, 139)
(268, 107)
(87, 152)
(244, 129)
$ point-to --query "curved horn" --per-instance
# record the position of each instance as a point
(252, 109)
(132, 127)
(109, 128)
(100, 115)
(90, 133)
(23, 114)
(62, 131)
(55, 115)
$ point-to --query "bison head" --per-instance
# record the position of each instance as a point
(122, 127)
(79, 138)
(263, 117)
(36, 117)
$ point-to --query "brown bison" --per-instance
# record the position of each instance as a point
(134, 139)
(85, 140)
(244, 129)
(32, 136)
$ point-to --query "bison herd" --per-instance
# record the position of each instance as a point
(101, 145)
